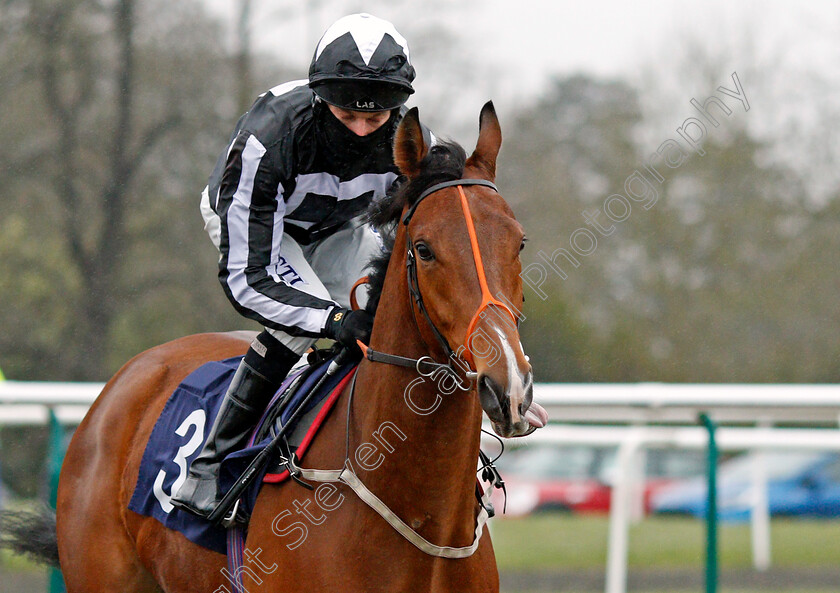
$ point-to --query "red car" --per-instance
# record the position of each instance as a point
(578, 478)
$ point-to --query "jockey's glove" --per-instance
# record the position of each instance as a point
(346, 326)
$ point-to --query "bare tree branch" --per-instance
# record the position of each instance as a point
(151, 138)
(113, 197)
(243, 55)
(46, 27)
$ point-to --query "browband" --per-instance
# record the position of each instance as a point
(442, 185)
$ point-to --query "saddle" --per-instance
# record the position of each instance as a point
(299, 432)
(179, 434)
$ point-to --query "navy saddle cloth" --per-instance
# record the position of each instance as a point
(179, 434)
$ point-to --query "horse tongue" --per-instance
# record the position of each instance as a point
(536, 415)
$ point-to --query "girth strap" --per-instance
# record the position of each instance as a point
(348, 477)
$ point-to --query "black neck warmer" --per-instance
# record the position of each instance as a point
(342, 148)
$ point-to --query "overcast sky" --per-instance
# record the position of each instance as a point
(528, 40)
(518, 46)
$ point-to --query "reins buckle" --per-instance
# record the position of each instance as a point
(294, 472)
(455, 381)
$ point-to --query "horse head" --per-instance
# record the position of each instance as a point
(463, 242)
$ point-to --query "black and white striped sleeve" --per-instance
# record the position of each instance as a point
(251, 208)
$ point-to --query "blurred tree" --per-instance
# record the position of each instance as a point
(561, 158)
(729, 276)
(706, 298)
(243, 55)
(735, 280)
(114, 114)
(807, 283)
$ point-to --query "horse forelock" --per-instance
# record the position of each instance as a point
(445, 161)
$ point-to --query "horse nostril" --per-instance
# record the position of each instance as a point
(487, 383)
(490, 394)
(529, 393)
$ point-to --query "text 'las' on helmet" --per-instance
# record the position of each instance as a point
(362, 64)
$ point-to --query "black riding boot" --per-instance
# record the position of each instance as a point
(255, 382)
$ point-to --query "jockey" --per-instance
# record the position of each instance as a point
(285, 205)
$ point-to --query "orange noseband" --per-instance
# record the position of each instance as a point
(487, 299)
(425, 365)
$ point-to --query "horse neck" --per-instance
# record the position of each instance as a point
(429, 440)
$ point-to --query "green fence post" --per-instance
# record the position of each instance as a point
(711, 508)
(55, 456)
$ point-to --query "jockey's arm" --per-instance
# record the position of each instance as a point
(251, 208)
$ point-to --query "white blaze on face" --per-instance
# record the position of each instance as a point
(516, 385)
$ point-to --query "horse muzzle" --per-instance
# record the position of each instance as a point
(506, 407)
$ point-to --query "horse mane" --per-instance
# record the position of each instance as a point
(445, 161)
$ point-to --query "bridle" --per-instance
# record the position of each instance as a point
(346, 474)
(487, 299)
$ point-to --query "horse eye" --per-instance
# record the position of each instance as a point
(423, 252)
(522, 245)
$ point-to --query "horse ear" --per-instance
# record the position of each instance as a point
(489, 142)
(409, 146)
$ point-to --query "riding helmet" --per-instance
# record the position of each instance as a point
(362, 64)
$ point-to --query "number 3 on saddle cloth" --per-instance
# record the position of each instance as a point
(181, 428)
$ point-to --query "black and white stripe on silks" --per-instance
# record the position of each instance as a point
(274, 179)
(251, 239)
(324, 184)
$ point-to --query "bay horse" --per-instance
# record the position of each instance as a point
(413, 446)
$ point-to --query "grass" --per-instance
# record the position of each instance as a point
(556, 542)
(552, 541)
